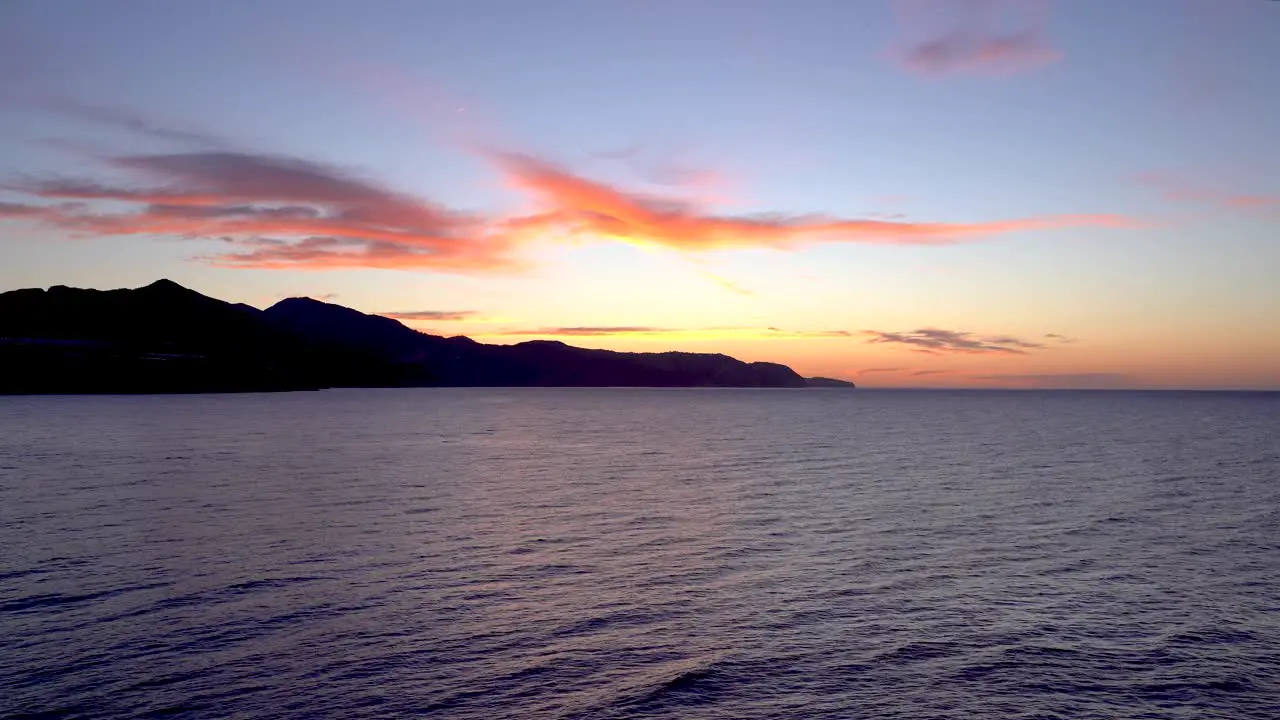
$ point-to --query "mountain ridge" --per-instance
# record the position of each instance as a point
(164, 337)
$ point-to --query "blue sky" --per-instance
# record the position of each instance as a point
(1159, 112)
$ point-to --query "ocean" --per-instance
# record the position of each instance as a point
(636, 553)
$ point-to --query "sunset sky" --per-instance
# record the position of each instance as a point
(933, 193)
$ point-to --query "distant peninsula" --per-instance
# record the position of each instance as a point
(826, 382)
(165, 338)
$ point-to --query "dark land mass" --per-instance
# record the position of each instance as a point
(167, 338)
(826, 382)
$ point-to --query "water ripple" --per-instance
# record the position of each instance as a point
(608, 554)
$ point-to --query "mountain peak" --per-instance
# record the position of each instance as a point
(165, 290)
(166, 285)
(311, 307)
(301, 302)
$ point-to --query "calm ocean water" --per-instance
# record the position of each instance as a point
(641, 554)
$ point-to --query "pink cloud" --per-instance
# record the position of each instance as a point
(574, 205)
(279, 212)
(974, 36)
(1178, 189)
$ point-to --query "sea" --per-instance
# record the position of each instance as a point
(641, 553)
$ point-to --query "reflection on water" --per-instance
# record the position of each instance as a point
(566, 553)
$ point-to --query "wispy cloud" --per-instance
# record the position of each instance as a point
(936, 341)
(19, 210)
(280, 212)
(727, 284)
(1178, 189)
(701, 267)
(276, 211)
(718, 332)
(974, 36)
(925, 373)
(812, 333)
(588, 331)
(432, 315)
(123, 119)
(574, 205)
(661, 166)
(879, 370)
(1059, 338)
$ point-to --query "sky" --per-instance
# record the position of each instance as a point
(902, 193)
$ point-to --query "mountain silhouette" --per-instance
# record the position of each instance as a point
(167, 338)
(828, 382)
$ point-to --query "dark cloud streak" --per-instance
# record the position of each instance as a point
(582, 331)
(938, 341)
(19, 210)
(119, 118)
(432, 315)
(878, 370)
(594, 331)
